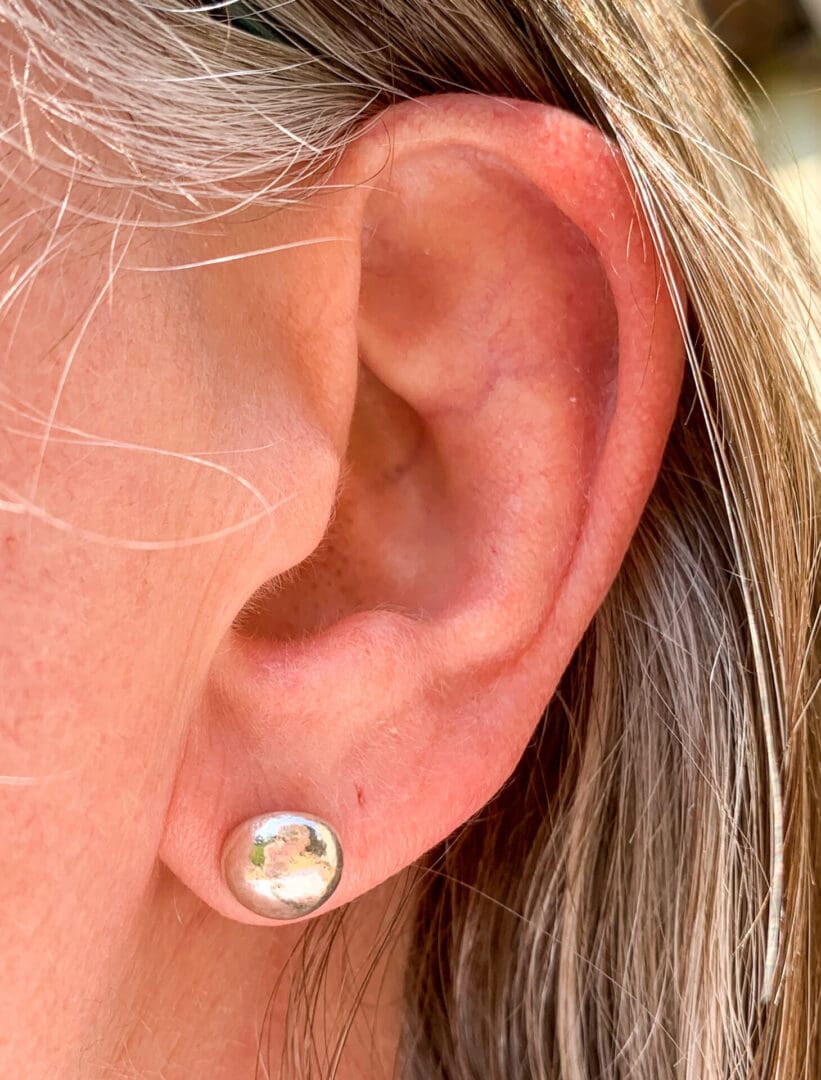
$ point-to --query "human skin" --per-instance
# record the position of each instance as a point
(452, 403)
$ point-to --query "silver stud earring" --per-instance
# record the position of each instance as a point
(282, 865)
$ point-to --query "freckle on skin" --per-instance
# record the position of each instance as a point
(360, 796)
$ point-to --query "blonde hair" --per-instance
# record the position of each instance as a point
(640, 900)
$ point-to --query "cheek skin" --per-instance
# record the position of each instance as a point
(108, 626)
(97, 685)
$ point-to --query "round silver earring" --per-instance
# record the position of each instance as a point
(282, 865)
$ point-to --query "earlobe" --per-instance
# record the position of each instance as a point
(520, 363)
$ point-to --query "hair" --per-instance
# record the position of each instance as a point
(640, 899)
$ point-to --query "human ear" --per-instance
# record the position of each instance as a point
(505, 362)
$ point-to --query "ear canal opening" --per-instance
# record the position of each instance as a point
(389, 530)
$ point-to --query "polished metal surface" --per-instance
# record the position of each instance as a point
(282, 865)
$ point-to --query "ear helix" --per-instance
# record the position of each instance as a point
(282, 865)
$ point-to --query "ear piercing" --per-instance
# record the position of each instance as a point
(282, 865)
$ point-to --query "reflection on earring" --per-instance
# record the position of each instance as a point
(282, 865)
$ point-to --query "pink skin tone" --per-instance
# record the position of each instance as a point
(479, 370)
